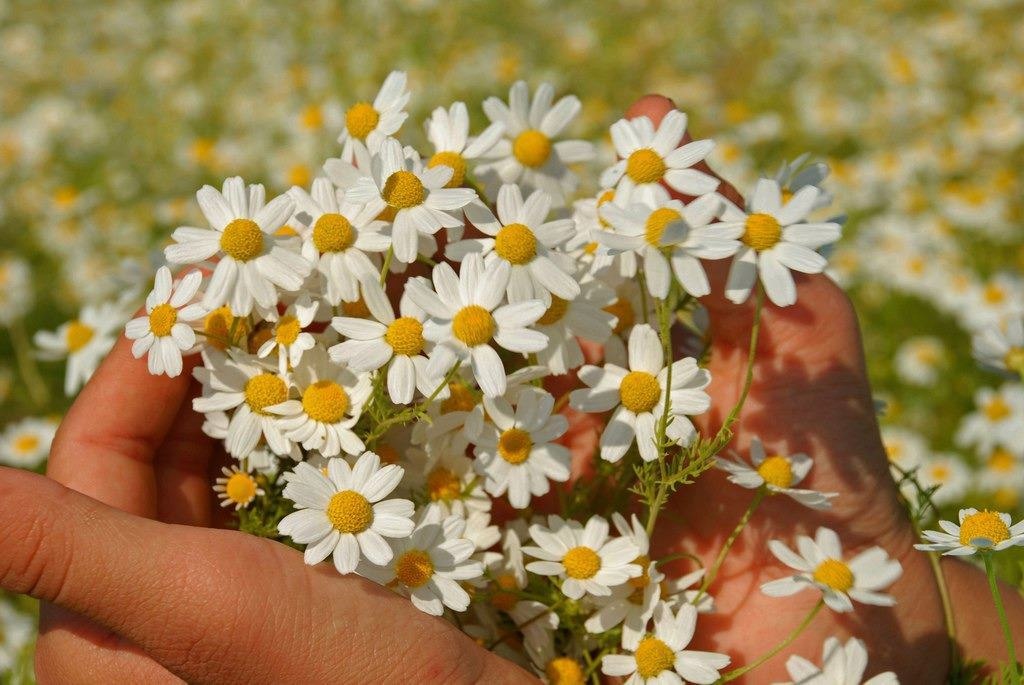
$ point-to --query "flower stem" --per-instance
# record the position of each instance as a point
(709, 579)
(387, 265)
(27, 365)
(734, 674)
(998, 599)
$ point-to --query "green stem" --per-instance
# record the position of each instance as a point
(410, 414)
(998, 599)
(662, 492)
(37, 390)
(712, 573)
(733, 675)
(387, 265)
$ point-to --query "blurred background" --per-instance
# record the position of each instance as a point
(112, 114)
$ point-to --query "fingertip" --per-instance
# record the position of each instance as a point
(653, 106)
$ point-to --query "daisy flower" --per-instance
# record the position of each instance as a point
(589, 223)
(467, 318)
(946, 472)
(584, 557)
(1001, 470)
(840, 665)
(417, 196)
(84, 342)
(26, 443)
(288, 335)
(529, 153)
(661, 657)
(331, 398)
(372, 123)
(775, 239)
(344, 513)
(522, 239)
(637, 396)
(338, 238)
(998, 421)
(430, 564)
(384, 340)
(650, 156)
(516, 452)
(448, 132)
(1001, 348)
(237, 488)
(253, 258)
(919, 360)
(165, 331)
(979, 531)
(820, 564)
(565, 321)
(671, 238)
(777, 473)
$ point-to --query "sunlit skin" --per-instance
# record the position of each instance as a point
(144, 588)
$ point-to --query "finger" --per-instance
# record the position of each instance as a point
(220, 606)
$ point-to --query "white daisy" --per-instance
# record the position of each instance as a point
(775, 240)
(820, 564)
(288, 334)
(566, 321)
(516, 452)
(344, 512)
(467, 318)
(979, 531)
(446, 477)
(1001, 348)
(778, 473)
(840, 665)
(1001, 471)
(371, 123)
(26, 444)
(651, 156)
(165, 331)
(430, 564)
(998, 421)
(589, 222)
(418, 196)
(526, 242)
(661, 657)
(638, 394)
(947, 472)
(530, 154)
(237, 488)
(253, 258)
(584, 557)
(448, 132)
(84, 341)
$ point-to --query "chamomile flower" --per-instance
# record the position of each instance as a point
(778, 473)
(344, 513)
(775, 240)
(165, 331)
(840, 665)
(651, 156)
(448, 132)
(26, 444)
(253, 258)
(83, 342)
(430, 564)
(288, 334)
(530, 153)
(237, 488)
(998, 421)
(637, 394)
(417, 196)
(948, 473)
(820, 564)
(371, 123)
(339, 237)
(919, 360)
(979, 531)
(661, 657)
(566, 321)
(1001, 348)
(1000, 469)
(467, 318)
(522, 238)
(446, 477)
(584, 557)
(516, 452)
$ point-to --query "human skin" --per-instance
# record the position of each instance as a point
(140, 585)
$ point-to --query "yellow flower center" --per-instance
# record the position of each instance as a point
(405, 335)
(639, 392)
(1001, 460)
(77, 335)
(514, 445)
(645, 166)
(762, 231)
(443, 484)
(1014, 360)
(240, 488)
(162, 319)
(657, 222)
(217, 326)
(776, 470)
(24, 444)
(264, 332)
(333, 233)
(299, 175)
(414, 568)
(834, 574)
(455, 162)
(581, 563)
(403, 190)
(997, 409)
(505, 598)
(360, 120)
(983, 524)
(325, 401)
(287, 231)
(287, 330)
(516, 244)
(265, 390)
(460, 398)
(242, 239)
(555, 312)
(473, 325)
(312, 117)
(994, 293)
(622, 310)
(349, 512)
(644, 579)
(532, 148)
(564, 671)
(356, 309)
(653, 656)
